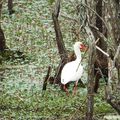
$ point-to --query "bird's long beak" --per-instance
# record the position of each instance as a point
(83, 48)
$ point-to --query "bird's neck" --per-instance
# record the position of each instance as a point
(77, 53)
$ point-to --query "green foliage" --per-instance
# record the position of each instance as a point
(51, 1)
(25, 100)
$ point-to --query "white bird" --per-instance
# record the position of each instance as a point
(73, 71)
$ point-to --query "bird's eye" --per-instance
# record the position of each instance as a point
(81, 46)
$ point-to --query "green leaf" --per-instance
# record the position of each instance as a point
(51, 1)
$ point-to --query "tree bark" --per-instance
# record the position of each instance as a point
(46, 79)
(113, 20)
(112, 17)
(10, 7)
(59, 40)
(91, 62)
(90, 95)
(2, 38)
(101, 59)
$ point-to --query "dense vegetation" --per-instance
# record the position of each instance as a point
(30, 30)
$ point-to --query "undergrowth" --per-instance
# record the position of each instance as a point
(30, 31)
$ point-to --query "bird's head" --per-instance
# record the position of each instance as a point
(81, 46)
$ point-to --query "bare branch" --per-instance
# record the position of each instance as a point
(46, 79)
(69, 17)
(57, 8)
(102, 51)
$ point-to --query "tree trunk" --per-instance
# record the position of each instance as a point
(90, 95)
(10, 7)
(112, 17)
(113, 20)
(59, 40)
(101, 65)
(91, 62)
(2, 38)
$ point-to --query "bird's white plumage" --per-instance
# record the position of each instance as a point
(72, 71)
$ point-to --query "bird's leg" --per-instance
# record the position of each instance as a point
(66, 90)
(75, 88)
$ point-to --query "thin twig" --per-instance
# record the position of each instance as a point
(69, 17)
(96, 29)
(97, 41)
(102, 51)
